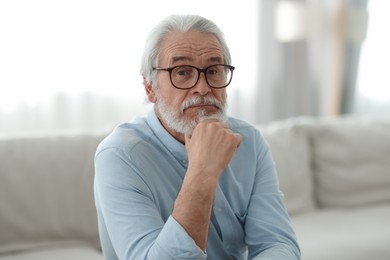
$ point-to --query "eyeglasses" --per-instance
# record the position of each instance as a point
(187, 76)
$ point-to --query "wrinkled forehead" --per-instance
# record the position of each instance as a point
(190, 46)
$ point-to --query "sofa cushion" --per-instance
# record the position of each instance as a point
(290, 149)
(351, 161)
(46, 190)
(349, 234)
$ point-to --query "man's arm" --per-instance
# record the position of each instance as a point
(131, 225)
(210, 149)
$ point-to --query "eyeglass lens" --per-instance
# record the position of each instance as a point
(217, 76)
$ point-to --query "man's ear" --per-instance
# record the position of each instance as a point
(149, 91)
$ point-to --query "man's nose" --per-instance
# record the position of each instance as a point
(202, 87)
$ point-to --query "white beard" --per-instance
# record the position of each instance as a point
(176, 120)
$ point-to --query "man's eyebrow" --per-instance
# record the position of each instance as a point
(216, 59)
(181, 58)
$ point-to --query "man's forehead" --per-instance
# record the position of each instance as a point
(189, 46)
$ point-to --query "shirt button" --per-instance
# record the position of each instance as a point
(219, 209)
(184, 161)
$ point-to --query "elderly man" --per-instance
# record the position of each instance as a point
(186, 181)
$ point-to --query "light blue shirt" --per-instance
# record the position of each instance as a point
(139, 169)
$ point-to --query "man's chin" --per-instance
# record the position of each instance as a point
(186, 123)
(206, 115)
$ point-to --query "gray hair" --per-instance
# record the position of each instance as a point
(181, 23)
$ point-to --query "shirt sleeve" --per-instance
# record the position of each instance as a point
(131, 219)
(269, 234)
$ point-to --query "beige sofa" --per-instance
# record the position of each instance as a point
(46, 197)
(335, 174)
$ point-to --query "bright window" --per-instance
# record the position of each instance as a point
(373, 83)
(80, 51)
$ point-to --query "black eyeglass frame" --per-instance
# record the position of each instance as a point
(204, 70)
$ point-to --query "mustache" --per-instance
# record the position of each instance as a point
(202, 101)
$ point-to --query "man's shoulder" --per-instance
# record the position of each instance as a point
(249, 132)
(127, 135)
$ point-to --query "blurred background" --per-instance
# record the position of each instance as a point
(75, 64)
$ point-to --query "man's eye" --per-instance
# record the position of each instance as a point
(183, 71)
(212, 71)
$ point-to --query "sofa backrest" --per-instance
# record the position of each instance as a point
(331, 162)
(351, 161)
(46, 190)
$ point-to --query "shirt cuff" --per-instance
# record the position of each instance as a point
(174, 240)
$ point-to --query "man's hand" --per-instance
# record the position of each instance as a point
(210, 149)
(211, 146)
